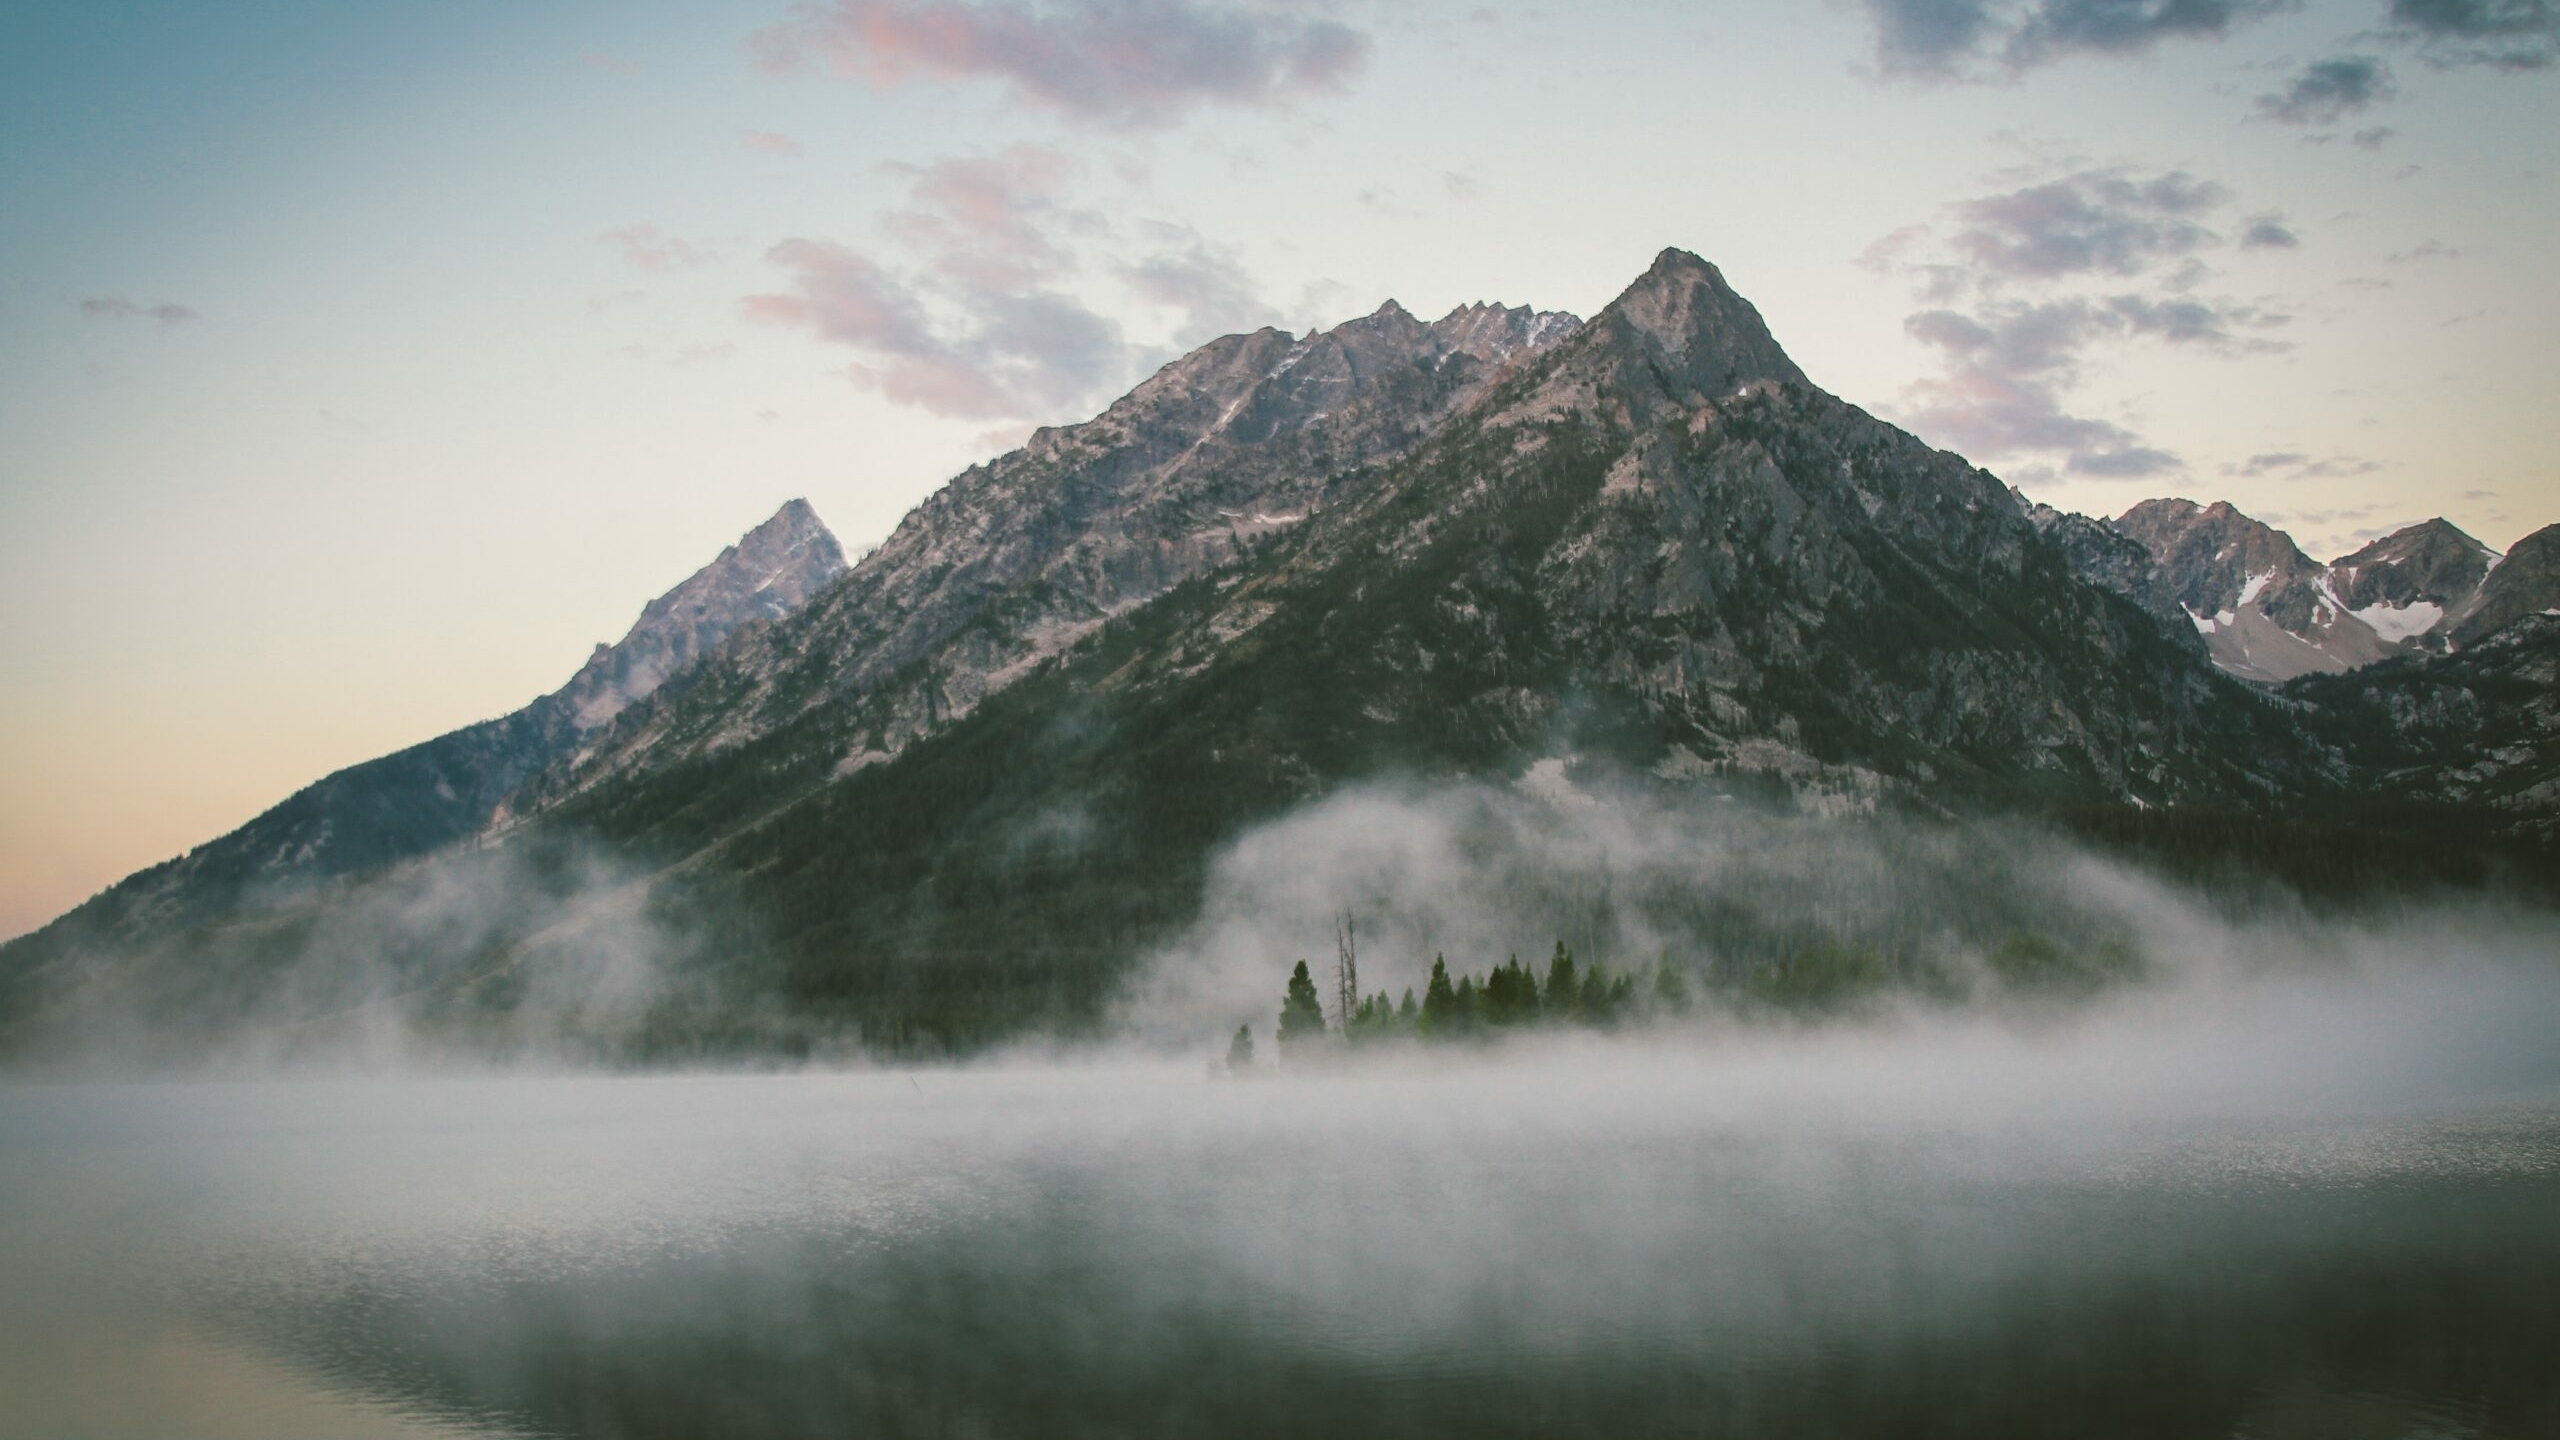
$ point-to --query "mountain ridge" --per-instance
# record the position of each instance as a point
(953, 794)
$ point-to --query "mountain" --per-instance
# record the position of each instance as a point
(958, 792)
(1017, 559)
(2268, 612)
(2407, 582)
(1652, 547)
(444, 790)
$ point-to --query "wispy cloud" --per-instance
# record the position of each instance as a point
(985, 328)
(769, 142)
(1205, 283)
(2026, 286)
(162, 313)
(1120, 64)
(976, 306)
(2295, 465)
(2328, 91)
(646, 247)
(1990, 39)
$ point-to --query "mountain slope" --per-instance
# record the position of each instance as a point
(443, 790)
(2522, 583)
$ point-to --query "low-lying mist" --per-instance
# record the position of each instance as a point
(1767, 927)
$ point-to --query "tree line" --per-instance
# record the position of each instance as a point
(1509, 998)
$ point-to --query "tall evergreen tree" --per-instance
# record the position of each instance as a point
(1564, 987)
(1439, 1001)
(1301, 1014)
(1408, 1014)
(1240, 1051)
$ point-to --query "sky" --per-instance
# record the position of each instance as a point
(362, 366)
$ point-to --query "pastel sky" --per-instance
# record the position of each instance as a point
(362, 365)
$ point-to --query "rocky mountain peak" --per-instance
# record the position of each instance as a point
(766, 575)
(2406, 582)
(1694, 331)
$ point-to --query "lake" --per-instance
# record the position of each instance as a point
(2216, 1228)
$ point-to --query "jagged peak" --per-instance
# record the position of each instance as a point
(1711, 336)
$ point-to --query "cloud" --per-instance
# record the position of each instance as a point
(1986, 39)
(2503, 34)
(2295, 465)
(2005, 369)
(2269, 232)
(1206, 284)
(993, 222)
(2096, 222)
(1118, 64)
(2373, 139)
(646, 247)
(2025, 286)
(769, 142)
(115, 307)
(977, 312)
(2328, 91)
(1007, 345)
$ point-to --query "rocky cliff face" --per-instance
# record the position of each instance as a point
(1017, 559)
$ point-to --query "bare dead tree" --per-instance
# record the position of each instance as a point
(1346, 968)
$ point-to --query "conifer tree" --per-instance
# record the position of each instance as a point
(1240, 1051)
(1301, 1014)
(1408, 1014)
(1439, 1001)
(1564, 988)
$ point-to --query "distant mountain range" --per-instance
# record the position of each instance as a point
(954, 791)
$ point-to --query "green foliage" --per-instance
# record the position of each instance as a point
(1240, 1051)
(1824, 975)
(1301, 1014)
(1510, 995)
(2032, 962)
(1439, 1002)
(1564, 987)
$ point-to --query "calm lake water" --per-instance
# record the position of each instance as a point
(1906, 1234)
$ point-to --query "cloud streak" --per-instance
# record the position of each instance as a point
(1115, 64)
(2503, 34)
(115, 307)
(1994, 39)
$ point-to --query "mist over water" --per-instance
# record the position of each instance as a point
(2289, 1175)
(2250, 1212)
